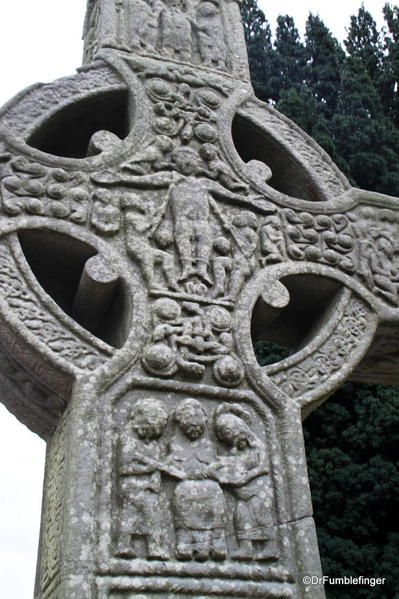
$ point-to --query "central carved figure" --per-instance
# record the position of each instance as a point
(199, 504)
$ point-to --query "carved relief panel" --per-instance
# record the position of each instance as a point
(205, 33)
(194, 485)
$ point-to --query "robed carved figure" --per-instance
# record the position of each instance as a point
(156, 219)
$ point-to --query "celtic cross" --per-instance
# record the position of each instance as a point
(156, 219)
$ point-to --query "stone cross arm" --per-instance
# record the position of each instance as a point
(156, 219)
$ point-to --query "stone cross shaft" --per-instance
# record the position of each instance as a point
(156, 219)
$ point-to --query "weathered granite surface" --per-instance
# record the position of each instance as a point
(156, 218)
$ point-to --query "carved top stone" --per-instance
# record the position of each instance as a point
(205, 33)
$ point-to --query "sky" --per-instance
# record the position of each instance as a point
(40, 41)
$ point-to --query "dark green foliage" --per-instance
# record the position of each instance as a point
(289, 57)
(300, 105)
(389, 77)
(269, 353)
(258, 39)
(349, 103)
(325, 59)
(364, 137)
(351, 446)
(364, 42)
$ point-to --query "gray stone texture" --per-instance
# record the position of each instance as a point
(156, 219)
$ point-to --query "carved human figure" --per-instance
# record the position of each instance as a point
(361, 226)
(244, 471)
(384, 272)
(244, 232)
(191, 199)
(153, 156)
(209, 30)
(175, 32)
(222, 264)
(142, 23)
(271, 241)
(141, 515)
(139, 228)
(89, 30)
(218, 169)
(105, 215)
(199, 507)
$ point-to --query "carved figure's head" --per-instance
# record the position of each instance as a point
(163, 238)
(208, 152)
(233, 431)
(149, 419)
(192, 418)
(186, 161)
(222, 245)
(273, 222)
(245, 219)
(207, 9)
(177, 4)
(232, 426)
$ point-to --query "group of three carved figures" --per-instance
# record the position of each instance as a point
(202, 468)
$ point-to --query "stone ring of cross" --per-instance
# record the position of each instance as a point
(156, 220)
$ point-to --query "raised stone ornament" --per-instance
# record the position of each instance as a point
(156, 219)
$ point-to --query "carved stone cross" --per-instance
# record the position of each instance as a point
(156, 219)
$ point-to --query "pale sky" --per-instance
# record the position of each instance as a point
(40, 41)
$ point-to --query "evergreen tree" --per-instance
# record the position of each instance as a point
(312, 103)
(300, 105)
(365, 139)
(364, 43)
(288, 70)
(389, 80)
(351, 446)
(259, 46)
(325, 59)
